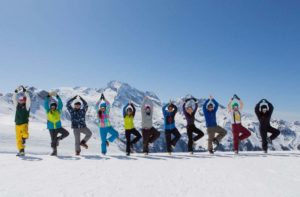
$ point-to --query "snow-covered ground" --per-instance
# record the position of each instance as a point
(39, 175)
(250, 174)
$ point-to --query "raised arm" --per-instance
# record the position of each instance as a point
(60, 103)
(46, 103)
(241, 104)
(164, 109)
(124, 110)
(134, 109)
(271, 107)
(205, 105)
(229, 108)
(175, 109)
(69, 104)
(97, 105)
(256, 109)
(28, 101)
(216, 105)
(184, 109)
(14, 99)
(107, 107)
(85, 104)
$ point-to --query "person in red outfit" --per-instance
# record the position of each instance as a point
(239, 132)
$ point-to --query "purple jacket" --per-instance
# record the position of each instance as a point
(190, 118)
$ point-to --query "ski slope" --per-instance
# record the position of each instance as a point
(250, 174)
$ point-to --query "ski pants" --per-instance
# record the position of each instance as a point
(103, 134)
(211, 131)
(239, 133)
(88, 134)
(21, 135)
(149, 136)
(63, 133)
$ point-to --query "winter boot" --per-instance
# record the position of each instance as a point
(21, 153)
(211, 152)
(54, 152)
(216, 145)
(83, 144)
(269, 141)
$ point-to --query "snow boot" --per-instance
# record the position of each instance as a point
(77, 153)
(21, 153)
(211, 152)
(83, 144)
(54, 152)
(216, 144)
(269, 141)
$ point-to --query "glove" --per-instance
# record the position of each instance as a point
(16, 91)
(236, 96)
(23, 89)
(187, 100)
(102, 97)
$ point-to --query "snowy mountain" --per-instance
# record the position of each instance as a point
(119, 94)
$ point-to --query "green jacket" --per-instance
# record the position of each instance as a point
(22, 111)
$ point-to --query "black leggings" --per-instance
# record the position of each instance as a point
(172, 142)
(54, 136)
(129, 142)
(190, 130)
(264, 130)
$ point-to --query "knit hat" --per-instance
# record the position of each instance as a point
(103, 105)
(235, 104)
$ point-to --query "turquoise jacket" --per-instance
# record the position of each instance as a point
(53, 117)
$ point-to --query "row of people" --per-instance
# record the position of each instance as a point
(78, 108)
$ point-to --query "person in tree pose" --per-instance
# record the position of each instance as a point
(189, 113)
(239, 132)
(264, 110)
(210, 109)
(150, 134)
(103, 109)
(22, 103)
(128, 114)
(54, 111)
(78, 113)
(169, 112)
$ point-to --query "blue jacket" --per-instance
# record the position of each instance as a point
(53, 117)
(77, 116)
(210, 117)
(169, 117)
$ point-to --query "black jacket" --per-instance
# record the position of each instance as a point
(264, 118)
(77, 116)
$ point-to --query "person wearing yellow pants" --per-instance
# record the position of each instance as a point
(22, 102)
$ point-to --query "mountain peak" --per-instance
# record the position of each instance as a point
(116, 84)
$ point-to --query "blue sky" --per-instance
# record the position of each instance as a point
(170, 47)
